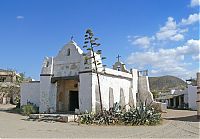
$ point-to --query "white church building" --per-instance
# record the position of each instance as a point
(68, 82)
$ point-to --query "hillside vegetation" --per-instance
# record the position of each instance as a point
(165, 83)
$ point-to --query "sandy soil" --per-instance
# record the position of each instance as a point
(6, 107)
(178, 124)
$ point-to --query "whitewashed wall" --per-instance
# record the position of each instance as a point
(30, 92)
(135, 84)
(192, 97)
(48, 91)
(53, 97)
(185, 95)
(85, 92)
(68, 63)
(144, 90)
(48, 95)
(116, 80)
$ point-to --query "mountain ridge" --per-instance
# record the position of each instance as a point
(166, 83)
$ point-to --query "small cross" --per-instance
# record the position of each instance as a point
(72, 38)
(118, 57)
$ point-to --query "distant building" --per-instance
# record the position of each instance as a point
(8, 76)
(9, 87)
(180, 98)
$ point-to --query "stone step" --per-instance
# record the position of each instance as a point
(54, 117)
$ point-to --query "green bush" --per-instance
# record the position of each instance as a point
(102, 118)
(143, 115)
(30, 108)
(17, 100)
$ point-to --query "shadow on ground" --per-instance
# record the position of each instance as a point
(192, 118)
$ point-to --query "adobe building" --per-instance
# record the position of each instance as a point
(68, 82)
(8, 76)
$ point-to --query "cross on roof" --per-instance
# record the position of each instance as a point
(72, 38)
(118, 57)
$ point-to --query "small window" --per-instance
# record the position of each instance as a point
(2, 79)
(68, 52)
(47, 64)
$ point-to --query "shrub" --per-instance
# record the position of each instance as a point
(142, 115)
(86, 118)
(102, 118)
(17, 100)
(30, 108)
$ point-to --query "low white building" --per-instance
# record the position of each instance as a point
(68, 82)
(180, 98)
(192, 97)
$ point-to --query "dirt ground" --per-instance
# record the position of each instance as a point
(177, 124)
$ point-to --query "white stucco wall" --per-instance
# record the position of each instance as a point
(68, 65)
(30, 92)
(85, 92)
(53, 97)
(135, 84)
(192, 97)
(48, 95)
(185, 95)
(144, 83)
(116, 81)
(144, 91)
(47, 66)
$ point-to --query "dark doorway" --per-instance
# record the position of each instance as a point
(177, 102)
(73, 100)
(171, 102)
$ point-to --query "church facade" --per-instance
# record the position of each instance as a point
(68, 82)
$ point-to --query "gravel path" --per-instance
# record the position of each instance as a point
(178, 124)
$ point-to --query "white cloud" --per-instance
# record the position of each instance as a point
(194, 3)
(19, 17)
(177, 37)
(154, 71)
(140, 41)
(170, 31)
(178, 61)
(193, 18)
(196, 57)
(183, 30)
(170, 24)
(167, 61)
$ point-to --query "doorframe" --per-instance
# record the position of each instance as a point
(56, 80)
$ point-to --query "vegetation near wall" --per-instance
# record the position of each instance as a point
(30, 108)
(134, 116)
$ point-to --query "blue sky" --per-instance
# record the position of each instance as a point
(159, 35)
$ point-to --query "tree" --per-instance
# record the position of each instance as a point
(21, 77)
(90, 45)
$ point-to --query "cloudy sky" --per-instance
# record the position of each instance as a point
(159, 35)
